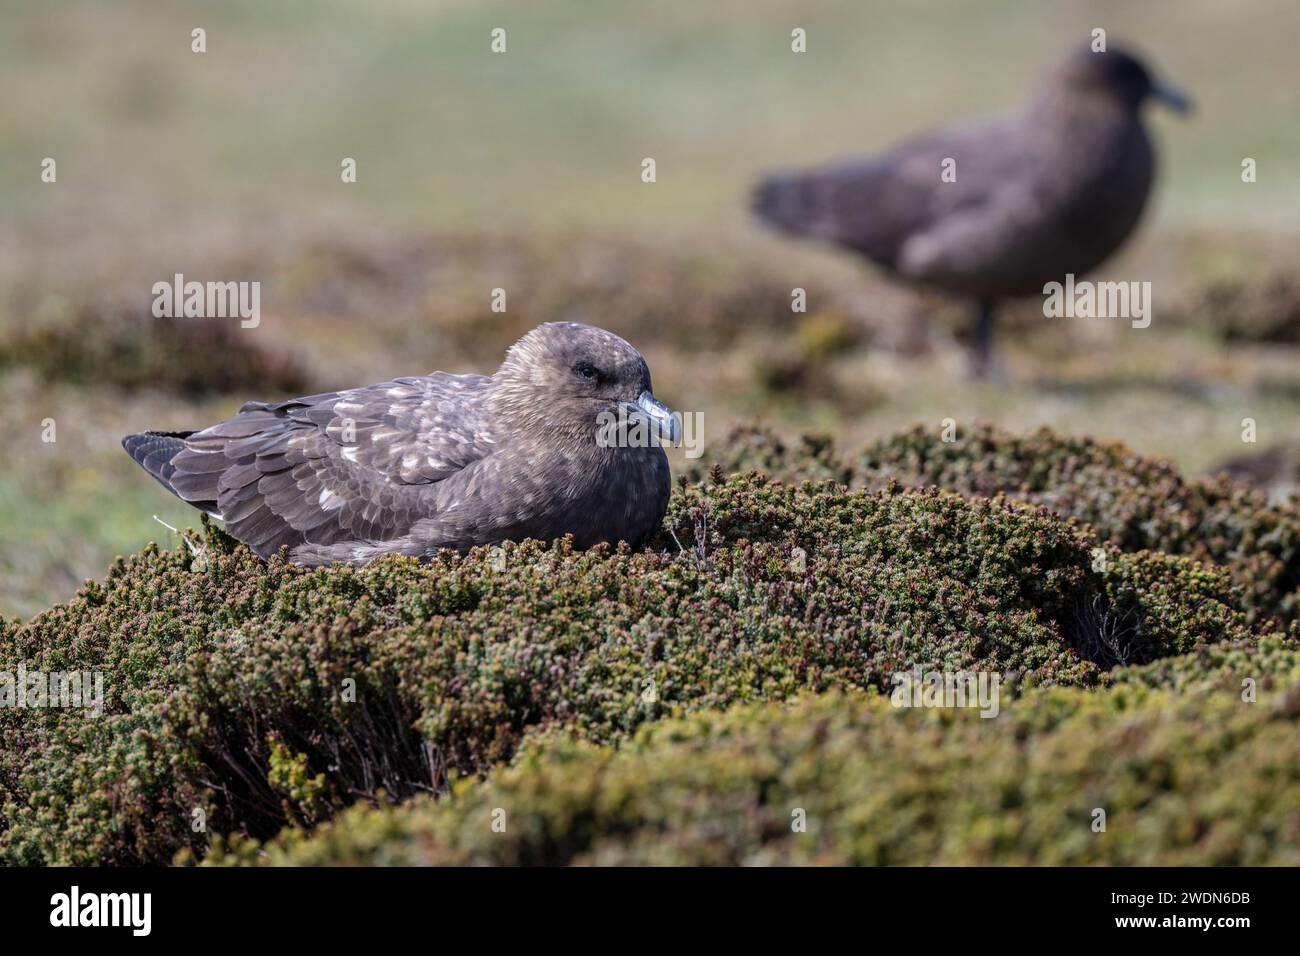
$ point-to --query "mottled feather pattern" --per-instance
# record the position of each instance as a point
(335, 466)
(424, 462)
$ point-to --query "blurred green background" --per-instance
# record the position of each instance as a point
(522, 170)
(554, 130)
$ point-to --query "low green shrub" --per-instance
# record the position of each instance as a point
(252, 696)
(1266, 310)
(1135, 502)
(1182, 778)
(94, 342)
(753, 447)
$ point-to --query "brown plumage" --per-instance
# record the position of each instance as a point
(1051, 191)
(438, 461)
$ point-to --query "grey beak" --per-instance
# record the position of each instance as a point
(1174, 98)
(663, 423)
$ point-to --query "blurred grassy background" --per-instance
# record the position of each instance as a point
(522, 170)
(553, 130)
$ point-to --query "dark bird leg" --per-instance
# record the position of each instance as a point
(982, 345)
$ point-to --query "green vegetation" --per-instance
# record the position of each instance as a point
(99, 343)
(445, 131)
(268, 696)
(1183, 778)
(673, 705)
(1133, 502)
(1264, 311)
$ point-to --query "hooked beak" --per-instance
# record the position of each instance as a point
(1174, 98)
(660, 418)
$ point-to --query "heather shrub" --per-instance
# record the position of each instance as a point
(266, 695)
(88, 341)
(809, 457)
(1135, 502)
(430, 288)
(1272, 663)
(1266, 310)
(1183, 777)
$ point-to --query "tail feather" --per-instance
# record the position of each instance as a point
(154, 451)
(789, 202)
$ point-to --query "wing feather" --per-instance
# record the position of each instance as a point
(351, 465)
